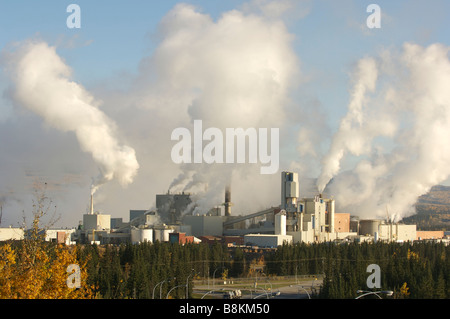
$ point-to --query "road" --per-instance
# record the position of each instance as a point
(290, 290)
(300, 291)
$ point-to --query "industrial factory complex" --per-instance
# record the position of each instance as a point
(295, 220)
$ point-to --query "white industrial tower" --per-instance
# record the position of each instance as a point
(289, 190)
(307, 219)
(289, 200)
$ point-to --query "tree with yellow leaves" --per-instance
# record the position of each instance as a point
(35, 269)
(41, 275)
(404, 291)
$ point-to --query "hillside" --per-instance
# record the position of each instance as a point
(433, 210)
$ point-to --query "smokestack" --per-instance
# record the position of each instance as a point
(92, 205)
(227, 201)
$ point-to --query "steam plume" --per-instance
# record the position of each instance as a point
(233, 72)
(349, 137)
(42, 84)
(399, 136)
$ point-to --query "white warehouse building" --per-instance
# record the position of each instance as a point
(11, 233)
(271, 240)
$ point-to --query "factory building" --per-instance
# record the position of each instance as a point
(315, 219)
(296, 220)
(397, 232)
(162, 232)
(171, 207)
(342, 223)
(182, 238)
(310, 219)
(60, 236)
(381, 230)
(93, 227)
(96, 222)
(227, 240)
(11, 233)
(136, 213)
(267, 240)
(432, 234)
(271, 240)
(202, 225)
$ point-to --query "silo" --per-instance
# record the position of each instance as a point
(166, 233)
(139, 235)
(158, 234)
(280, 223)
(135, 235)
(161, 233)
(369, 226)
(354, 224)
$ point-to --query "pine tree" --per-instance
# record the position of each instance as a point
(439, 287)
(238, 265)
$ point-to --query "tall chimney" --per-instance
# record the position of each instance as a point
(92, 205)
(227, 201)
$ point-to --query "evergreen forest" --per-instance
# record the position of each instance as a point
(165, 270)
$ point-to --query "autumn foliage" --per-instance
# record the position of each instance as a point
(33, 268)
(38, 270)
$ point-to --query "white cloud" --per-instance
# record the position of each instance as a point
(409, 109)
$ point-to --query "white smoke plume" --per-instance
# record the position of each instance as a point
(41, 82)
(349, 137)
(233, 72)
(398, 136)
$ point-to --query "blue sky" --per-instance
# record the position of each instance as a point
(115, 37)
(121, 32)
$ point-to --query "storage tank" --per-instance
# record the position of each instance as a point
(139, 235)
(354, 224)
(280, 223)
(369, 226)
(158, 234)
(161, 233)
(166, 234)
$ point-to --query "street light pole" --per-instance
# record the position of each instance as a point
(187, 283)
(309, 297)
(167, 297)
(160, 283)
(160, 287)
(267, 278)
(214, 275)
(153, 295)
